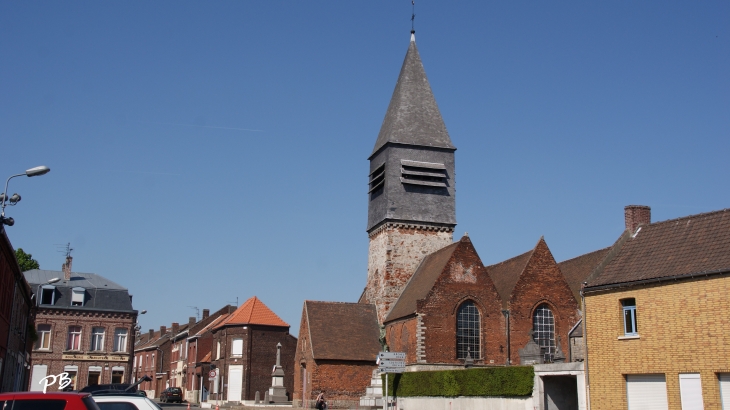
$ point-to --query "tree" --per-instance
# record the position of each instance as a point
(26, 261)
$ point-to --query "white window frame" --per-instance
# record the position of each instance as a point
(44, 337)
(629, 312)
(45, 288)
(218, 351)
(78, 296)
(97, 339)
(237, 347)
(120, 340)
(74, 338)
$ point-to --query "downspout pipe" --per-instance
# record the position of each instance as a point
(585, 346)
(509, 353)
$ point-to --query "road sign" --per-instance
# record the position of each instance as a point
(391, 369)
(211, 373)
(392, 363)
(392, 355)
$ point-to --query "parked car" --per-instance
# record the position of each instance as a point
(116, 401)
(47, 401)
(171, 395)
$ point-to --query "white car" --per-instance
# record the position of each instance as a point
(124, 402)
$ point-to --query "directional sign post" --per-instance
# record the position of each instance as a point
(390, 362)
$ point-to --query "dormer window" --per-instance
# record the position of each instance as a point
(377, 179)
(48, 295)
(77, 296)
(423, 173)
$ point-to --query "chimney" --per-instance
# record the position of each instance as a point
(175, 327)
(206, 313)
(636, 215)
(191, 321)
(152, 333)
(163, 330)
(66, 268)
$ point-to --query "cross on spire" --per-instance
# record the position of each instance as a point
(413, 16)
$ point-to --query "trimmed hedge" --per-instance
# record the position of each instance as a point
(513, 381)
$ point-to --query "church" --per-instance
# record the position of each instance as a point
(426, 294)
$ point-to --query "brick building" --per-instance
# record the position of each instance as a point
(152, 357)
(244, 352)
(336, 351)
(85, 326)
(16, 320)
(656, 313)
(199, 345)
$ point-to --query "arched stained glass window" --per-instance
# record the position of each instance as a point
(467, 331)
(543, 326)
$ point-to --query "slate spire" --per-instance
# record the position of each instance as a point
(413, 117)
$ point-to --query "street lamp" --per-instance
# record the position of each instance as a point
(33, 172)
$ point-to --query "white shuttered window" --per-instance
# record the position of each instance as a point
(690, 390)
(725, 390)
(237, 348)
(646, 392)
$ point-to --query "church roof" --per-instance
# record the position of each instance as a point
(413, 117)
(342, 331)
(422, 281)
(253, 312)
(684, 247)
(506, 274)
(577, 270)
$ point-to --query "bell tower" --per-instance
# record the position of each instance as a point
(411, 190)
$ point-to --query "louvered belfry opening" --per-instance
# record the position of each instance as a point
(423, 173)
(377, 180)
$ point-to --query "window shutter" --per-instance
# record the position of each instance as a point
(646, 392)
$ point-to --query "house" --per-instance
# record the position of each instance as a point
(16, 320)
(85, 325)
(244, 352)
(336, 351)
(656, 315)
(152, 357)
(199, 344)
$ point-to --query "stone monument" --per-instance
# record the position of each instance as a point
(277, 391)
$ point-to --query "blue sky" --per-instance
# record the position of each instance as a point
(207, 151)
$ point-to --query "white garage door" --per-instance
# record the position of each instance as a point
(725, 390)
(39, 372)
(690, 391)
(646, 392)
(235, 382)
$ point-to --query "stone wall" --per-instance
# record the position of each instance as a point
(394, 253)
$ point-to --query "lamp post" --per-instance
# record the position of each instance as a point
(33, 172)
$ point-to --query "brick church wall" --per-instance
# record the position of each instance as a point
(541, 282)
(464, 278)
(401, 337)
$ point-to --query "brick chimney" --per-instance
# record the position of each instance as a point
(152, 333)
(206, 313)
(175, 327)
(635, 215)
(163, 330)
(66, 268)
(192, 320)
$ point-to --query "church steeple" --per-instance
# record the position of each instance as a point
(413, 118)
(411, 195)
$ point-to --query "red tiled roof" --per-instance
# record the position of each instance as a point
(253, 312)
(695, 244)
(342, 331)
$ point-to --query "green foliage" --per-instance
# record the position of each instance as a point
(26, 261)
(513, 381)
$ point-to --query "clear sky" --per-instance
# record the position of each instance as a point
(207, 152)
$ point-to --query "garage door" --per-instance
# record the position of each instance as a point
(725, 390)
(235, 382)
(646, 392)
(690, 391)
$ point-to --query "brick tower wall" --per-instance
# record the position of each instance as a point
(394, 254)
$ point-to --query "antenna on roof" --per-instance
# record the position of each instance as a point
(66, 249)
(236, 301)
(197, 312)
(413, 16)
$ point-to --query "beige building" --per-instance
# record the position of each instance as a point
(657, 314)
